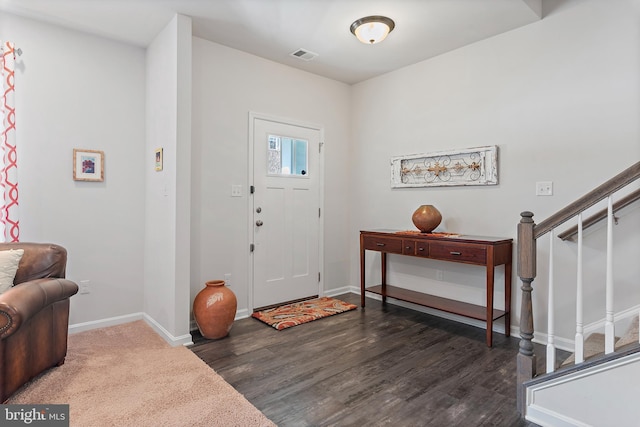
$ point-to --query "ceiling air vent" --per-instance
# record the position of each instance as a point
(305, 55)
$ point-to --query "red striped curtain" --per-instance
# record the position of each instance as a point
(9, 220)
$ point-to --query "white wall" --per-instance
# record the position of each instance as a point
(79, 91)
(560, 97)
(168, 194)
(227, 85)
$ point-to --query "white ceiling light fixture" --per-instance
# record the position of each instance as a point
(372, 29)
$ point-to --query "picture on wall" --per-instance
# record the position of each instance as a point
(88, 165)
(470, 166)
(158, 159)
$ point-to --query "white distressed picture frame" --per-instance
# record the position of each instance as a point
(470, 166)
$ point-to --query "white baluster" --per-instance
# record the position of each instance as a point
(609, 330)
(551, 347)
(579, 344)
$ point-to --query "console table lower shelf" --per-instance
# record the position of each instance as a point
(443, 304)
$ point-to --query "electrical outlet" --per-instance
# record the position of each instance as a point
(440, 275)
(544, 188)
(227, 279)
(84, 286)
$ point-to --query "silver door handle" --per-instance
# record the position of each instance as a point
(259, 223)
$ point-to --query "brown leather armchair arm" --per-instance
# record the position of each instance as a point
(19, 303)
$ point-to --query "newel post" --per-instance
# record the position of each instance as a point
(526, 361)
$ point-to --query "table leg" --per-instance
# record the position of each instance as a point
(383, 270)
(490, 278)
(507, 298)
(362, 256)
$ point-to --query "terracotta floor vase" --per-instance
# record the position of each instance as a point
(214, 309)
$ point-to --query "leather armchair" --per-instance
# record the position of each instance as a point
(34, 315)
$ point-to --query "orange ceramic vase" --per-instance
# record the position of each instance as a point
(214, 309)
(426, 218)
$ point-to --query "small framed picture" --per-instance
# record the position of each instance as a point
(88, 165)
(158, 159)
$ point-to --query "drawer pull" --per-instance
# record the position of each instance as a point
(455, 253)
(379, 244)
(421, 249)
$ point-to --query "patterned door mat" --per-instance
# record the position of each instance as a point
(298, 313)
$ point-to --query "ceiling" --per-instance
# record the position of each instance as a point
(273, 29)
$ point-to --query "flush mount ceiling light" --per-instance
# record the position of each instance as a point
(372, 29)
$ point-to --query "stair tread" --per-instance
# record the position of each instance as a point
(632, 334)
(594, 344)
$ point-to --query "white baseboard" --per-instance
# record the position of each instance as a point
(240, 314)
(104, 323)
(185, 339)
(160, 330)
(540, 338)
(546, 418)
(340, 291)
(118, 320)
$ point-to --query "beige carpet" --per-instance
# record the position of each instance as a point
(127, 375)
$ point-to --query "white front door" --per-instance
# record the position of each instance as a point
(286, 211)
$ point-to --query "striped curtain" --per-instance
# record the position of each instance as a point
(9, 220)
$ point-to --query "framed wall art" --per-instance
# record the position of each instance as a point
(470, 166)
(88, 165)
(158, 159)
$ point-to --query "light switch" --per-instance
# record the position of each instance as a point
(236, 190)
(544, 188)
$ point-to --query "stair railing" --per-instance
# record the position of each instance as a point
(571, 233)
(528, 233)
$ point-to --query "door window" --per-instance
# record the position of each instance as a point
(287, 156)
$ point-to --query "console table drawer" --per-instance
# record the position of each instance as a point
(422, 249)
(475, 254)
(415, 247)
(408, 247)
(383, 244)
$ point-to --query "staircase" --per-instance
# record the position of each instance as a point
(591, 387)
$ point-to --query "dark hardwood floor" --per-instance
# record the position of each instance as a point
(382, 365)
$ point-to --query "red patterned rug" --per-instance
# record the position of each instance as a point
(298, 313)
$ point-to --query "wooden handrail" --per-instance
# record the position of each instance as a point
(591, 198)
(600, 215)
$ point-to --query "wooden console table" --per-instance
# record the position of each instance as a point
(477, 250)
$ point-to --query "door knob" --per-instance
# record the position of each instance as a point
(259, 223)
